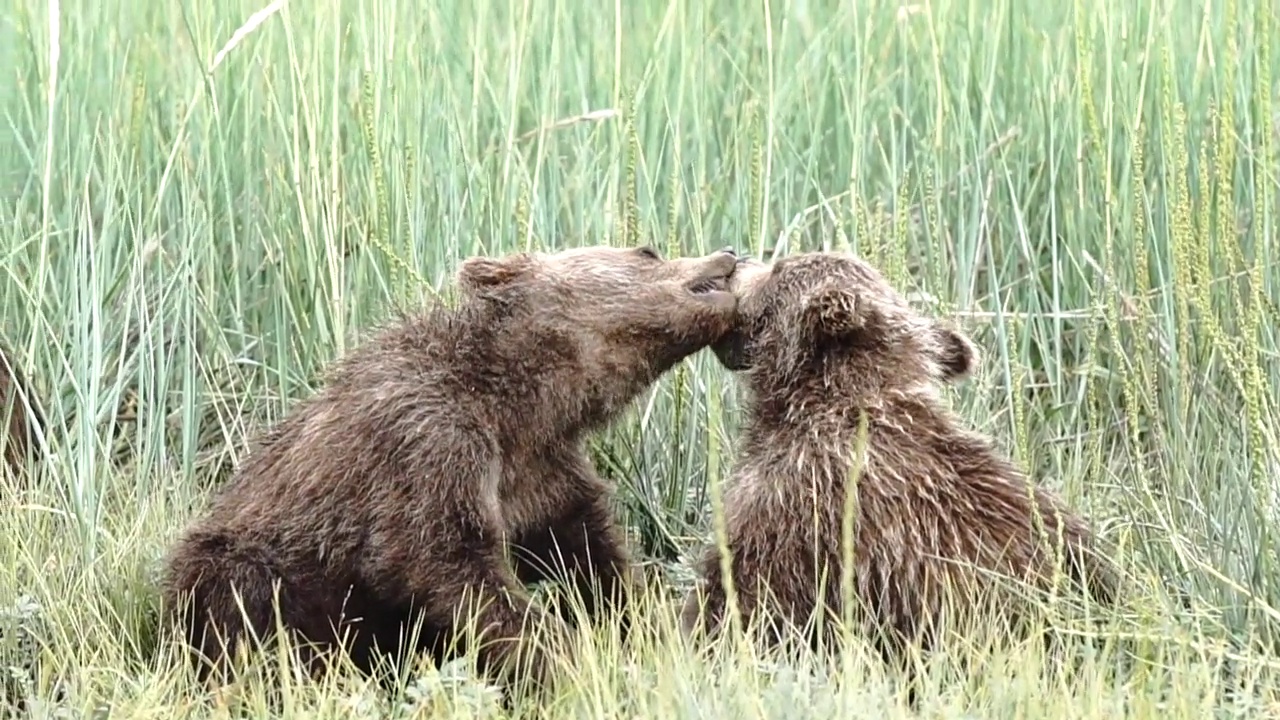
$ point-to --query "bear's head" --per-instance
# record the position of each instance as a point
(615, 318)
(819, 315)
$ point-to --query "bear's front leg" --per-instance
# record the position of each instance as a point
(510, 631)
(583, 548)
(484, 596)
(449, 561)
(573, 537)
(704, 603)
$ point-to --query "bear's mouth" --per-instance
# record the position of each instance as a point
(732, 352)
(706, 286)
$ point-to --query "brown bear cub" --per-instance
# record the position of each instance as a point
(833, 358)
(443, 464)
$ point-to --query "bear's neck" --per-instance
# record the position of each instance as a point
(820, 414)
(536, 380)
(812, 396)
(815, 411)
(823, 450)
(811, 419)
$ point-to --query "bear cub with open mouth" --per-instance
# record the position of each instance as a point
(443, 463)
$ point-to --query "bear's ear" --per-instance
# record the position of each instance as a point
(480, 273)
(957, 355)
(835, 310)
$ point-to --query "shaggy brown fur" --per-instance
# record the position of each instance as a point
(824, 341)
(444, 462)
(20, 413)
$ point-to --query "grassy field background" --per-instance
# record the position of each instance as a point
(202, 205)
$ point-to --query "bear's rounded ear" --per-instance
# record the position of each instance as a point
(479, 273)
(957, 355)
(834, 310)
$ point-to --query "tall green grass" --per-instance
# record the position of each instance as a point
(202, 204)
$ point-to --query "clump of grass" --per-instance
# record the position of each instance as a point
(202, 207)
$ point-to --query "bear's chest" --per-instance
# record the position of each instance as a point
(534, 490)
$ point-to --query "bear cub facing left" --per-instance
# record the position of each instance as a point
(842, 373)
(443, 464)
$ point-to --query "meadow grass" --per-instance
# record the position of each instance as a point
(202, 206)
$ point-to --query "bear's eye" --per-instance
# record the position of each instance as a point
(648, 252)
